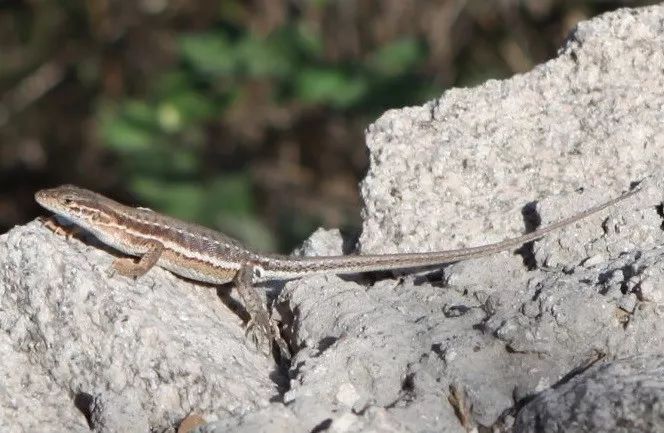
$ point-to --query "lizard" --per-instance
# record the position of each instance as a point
(204, 255)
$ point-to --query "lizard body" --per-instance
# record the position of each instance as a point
(205, 255)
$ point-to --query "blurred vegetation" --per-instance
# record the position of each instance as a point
(246, 116)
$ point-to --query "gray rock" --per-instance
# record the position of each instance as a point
(460, 169)
(153, 349)
(113, 413)
(623, 396)
(273, 418)
(446, 350)
(465, 170)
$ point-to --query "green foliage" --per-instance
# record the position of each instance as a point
(209, 53)
(396, 58)
(330, 87)
(129, 130)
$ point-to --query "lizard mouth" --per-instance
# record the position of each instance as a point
(48, 199)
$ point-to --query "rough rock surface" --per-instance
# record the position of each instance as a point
(625, 396)
(504, 341)
(80, 346)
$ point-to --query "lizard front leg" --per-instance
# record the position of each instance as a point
(261, 327)
(68, 231)
(130, 268)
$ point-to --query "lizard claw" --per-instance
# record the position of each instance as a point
(262, 330)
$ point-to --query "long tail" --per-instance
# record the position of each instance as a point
(293, 267)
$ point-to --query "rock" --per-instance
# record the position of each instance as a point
(621, 396)
(111, 413)
(153, 349)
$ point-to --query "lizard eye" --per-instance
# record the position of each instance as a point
(68, 201)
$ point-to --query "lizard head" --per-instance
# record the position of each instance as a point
(76, 205)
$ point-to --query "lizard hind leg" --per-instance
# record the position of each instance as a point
(261, 328)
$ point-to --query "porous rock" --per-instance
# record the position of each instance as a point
(619, 396)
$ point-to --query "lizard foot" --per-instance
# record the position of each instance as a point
(262, 330)
(53, 225)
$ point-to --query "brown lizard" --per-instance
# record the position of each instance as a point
(202, 254)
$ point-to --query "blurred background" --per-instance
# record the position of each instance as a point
(247, 116)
